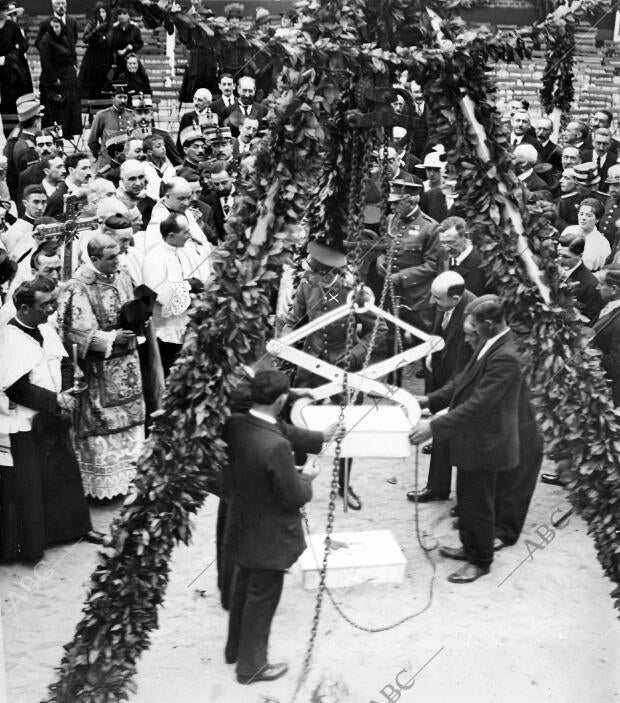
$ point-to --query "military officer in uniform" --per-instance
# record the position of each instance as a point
(417, 252)
(114, 119)
(325, 286)
(114, 145)
(608, 224)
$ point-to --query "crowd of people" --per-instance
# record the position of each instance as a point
(91, 325)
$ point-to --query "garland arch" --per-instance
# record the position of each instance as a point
(301, 167)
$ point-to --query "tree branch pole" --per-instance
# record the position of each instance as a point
(510, 212)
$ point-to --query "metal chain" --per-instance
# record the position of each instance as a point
(426, 551)
(358, 186)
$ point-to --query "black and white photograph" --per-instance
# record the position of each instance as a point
(309, 351)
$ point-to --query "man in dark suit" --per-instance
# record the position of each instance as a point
(450, 298)
(245, 107)
(601, 155)
(59, 10)
(482, 431)
(576, 134)
(608, 223)
(227, 98)
(202, 115)
(607, 327)
(264, 534)
(521, 125)
(550, 152)
(567, 205)
(603, 118)
(461, 255)
(33, 175)
(79, 173)
(585, 283)
(418, 123)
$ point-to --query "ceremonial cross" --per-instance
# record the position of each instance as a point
(67, 231)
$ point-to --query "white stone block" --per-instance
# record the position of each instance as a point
(355, 558)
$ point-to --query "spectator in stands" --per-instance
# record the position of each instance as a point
(97, 59)
(59, 11)
(550, 152)
(135, 76)
(246, 107)
(15, 79)
(596, 249)
(571, 156)
(79, 173)
(227, 98)
(568, 202)
(601, 155)
(58, 82)
(575, 134)
(157, 166)
(585, 284)
(521, 125)
(125, 39)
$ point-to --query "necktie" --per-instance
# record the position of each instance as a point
(514, 141)
(452, 262)
(446, 319)
(598, 164)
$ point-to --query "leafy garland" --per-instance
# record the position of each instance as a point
(180, 460)
(230, 321)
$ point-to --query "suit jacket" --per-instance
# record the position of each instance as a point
(586, 291)
(56, 202)
(418, 132)
(482, 423)
(264, 493)
(610, 160)
(32, 175)
(534, 182)
(551, 153)
(607, 339)
(218, 219)
(473, 273)
(232, 116)
(456, 352)
(433, 203)
(219, 107)
(531, 139)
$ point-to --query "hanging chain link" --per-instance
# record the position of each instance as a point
(362, 147)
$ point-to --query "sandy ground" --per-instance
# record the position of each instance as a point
(538, 628)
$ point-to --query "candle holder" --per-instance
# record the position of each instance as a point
(79, 384)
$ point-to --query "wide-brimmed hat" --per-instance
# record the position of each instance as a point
(28, 106)
(586, 174)
(434, 159)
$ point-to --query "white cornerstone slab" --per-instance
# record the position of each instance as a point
(355, 558)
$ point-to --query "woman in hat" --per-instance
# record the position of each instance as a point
(97, 60)
(596, 248)
(58, 83)
(135, 76)
(15, 79)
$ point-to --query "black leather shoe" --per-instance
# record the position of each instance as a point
(270, 672)
(95, 537)
(457, 553)
(230, 660)
(552, 479)
(498, 544)
(427, 448)
(469, 573)
(424, 496)
(454, 512)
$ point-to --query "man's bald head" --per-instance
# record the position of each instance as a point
(103, 253)
(178, 195)
(111, 206)
(447, 290)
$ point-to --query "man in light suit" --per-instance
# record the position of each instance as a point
(450, 297)
(263, 534)
(481, 428)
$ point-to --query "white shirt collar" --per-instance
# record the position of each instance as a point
(464, 254)
(569, 272)
(525, 174)
(263, 416)
(487, 345)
